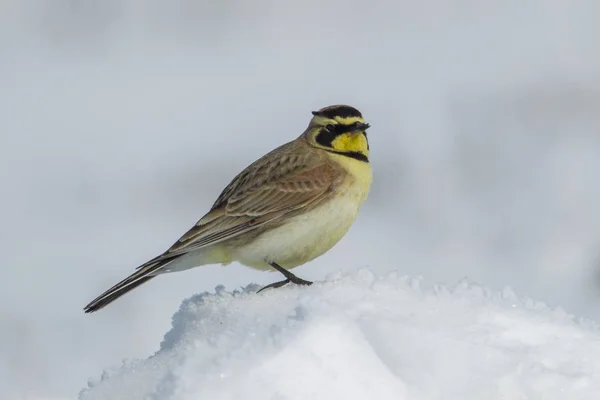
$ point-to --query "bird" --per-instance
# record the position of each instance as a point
(285, 209)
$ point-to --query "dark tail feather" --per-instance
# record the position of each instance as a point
(109, 297)
(144, 274)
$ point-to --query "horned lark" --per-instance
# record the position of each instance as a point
(285, 209)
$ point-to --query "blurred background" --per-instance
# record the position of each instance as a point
(122, 120)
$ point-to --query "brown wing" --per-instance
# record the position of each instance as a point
(265, 191)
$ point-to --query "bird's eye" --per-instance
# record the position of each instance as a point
(330, 128)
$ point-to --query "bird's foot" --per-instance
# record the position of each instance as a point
(292, 279)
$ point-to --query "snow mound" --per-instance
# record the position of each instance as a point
(359, 336)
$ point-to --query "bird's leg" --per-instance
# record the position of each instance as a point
(289, 278)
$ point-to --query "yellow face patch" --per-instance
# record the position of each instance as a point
(355, 141)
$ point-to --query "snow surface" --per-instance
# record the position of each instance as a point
(362, 336)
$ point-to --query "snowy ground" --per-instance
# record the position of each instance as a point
(121, 120)
(360, 336)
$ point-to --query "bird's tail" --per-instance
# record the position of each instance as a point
(142, 275)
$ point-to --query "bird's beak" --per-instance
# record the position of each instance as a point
(361, 127)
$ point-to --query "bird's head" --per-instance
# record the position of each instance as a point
(339, 129)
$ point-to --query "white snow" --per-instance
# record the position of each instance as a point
(363, 336)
